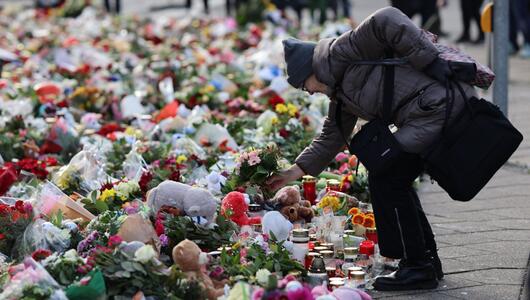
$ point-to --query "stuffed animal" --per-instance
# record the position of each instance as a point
(321, 292)
(235, 207)
(274, 222)
(136, 228)
(288, 201)
(189, 258)
(192, 201)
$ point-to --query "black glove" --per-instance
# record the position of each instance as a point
(439, 69)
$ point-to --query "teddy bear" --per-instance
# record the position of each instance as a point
(191, 201)
(190, 259)
(235, 207)
(288, 201)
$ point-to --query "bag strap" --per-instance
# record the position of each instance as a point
(388, 90)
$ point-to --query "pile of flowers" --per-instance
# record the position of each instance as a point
(97, 111)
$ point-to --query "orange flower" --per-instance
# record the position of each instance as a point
(369, 222)
(358, 219)
(353, 211)
(371, 215)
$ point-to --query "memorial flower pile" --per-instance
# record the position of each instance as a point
(122, 137)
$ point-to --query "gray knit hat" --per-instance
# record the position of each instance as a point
(299, 59)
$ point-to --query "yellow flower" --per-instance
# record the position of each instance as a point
(281, 108)
(181, 159)
(207, 89)
(329, 201)
(274, 121)
(293, 110)
(107, 194)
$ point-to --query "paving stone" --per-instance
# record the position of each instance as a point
(494, 276)
(450, 265)
(462, 239)
(494, 260)
(497, 292)
(460, 251)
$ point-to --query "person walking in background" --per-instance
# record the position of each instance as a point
(520, 21)
(428, 9)
(205, 2)
(113, 9)
(470, 12)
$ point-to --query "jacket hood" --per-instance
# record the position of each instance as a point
(321, 62)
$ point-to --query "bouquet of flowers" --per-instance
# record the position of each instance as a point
(13, 222)
(30, 280)
(112, 196)
(254, 167)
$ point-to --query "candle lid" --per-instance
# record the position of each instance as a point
(330, 246)
(336, 279)
(358, 275)
(301, 233)
(351, 250)
(314, 254)
(327, 253)
(320, 248)
(349, 232)
(354, 269)
(254, 207)
(371, 230)
(308, 178)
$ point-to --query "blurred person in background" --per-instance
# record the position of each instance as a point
(205, 2)
(116, 8)
(520, 21)
(428, 10)
(470, 12)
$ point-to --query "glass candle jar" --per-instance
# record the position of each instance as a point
(333, 185)
(309, 184)
(309, 257)
(371, 234)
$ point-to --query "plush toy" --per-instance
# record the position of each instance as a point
(343, 293)
(136, 228)
(189, 258)
(235, 207)
(192, 201)
(288, 201)
(274, 222)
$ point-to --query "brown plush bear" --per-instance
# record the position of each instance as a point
(189, 257)
(291, 205)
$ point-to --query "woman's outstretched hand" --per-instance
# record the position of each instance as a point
(277, 181)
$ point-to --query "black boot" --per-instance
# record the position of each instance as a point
(417, 275)
(436, 263)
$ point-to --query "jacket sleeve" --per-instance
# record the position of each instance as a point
(387, 28)
(317, 156)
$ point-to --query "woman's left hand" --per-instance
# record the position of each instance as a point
(277, 181)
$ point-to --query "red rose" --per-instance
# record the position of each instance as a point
(109, 128)
(284, 133)
(145, 180)
(159, 227)
(275, 100)
(50, 147)
(41, 254)
(2, 236)
(8, 176)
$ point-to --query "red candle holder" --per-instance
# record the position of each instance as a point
(309, 184)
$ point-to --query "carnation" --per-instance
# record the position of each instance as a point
(144, 254)
(262, 276)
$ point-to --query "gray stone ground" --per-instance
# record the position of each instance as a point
(484, 244)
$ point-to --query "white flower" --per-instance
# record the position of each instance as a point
(262, 276)
(145, 254)
(71, 255)
(127, 188)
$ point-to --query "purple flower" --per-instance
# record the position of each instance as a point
(164, 240)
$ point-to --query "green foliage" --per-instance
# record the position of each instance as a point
(116, 157)
(179, 228)
(63, 268)
(156, 151)
(277, 259)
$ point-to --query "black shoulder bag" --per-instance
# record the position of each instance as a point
(375, 145)
(472, 148)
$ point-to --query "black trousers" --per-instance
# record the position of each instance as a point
(470, 12)
(402, 227)
(117, 6)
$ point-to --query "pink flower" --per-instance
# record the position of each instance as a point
(253, 158)
(114, 240)
(258, 294)
(341, 156)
